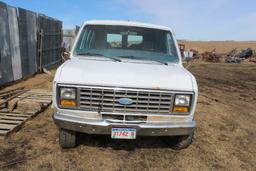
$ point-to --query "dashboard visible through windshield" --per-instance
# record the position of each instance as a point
(127, 42)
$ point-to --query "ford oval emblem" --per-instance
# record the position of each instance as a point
(125, 101)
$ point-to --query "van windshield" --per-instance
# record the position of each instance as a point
(127, 42)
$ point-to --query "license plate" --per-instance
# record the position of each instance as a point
(123, 133)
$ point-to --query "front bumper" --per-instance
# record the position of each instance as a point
(104, 127)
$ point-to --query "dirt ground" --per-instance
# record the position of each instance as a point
(225, 138)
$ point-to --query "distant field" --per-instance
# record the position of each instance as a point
(220, 46)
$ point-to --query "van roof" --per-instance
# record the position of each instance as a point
(126, 23)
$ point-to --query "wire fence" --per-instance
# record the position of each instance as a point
(28, 42)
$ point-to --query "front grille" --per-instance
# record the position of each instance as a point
(106, 100)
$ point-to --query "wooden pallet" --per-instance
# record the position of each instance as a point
(12, 121)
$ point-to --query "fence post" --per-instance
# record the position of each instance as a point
(41, 34)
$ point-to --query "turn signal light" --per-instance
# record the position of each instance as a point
(180, 109)
(67, 103)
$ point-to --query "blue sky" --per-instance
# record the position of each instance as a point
(191, 20)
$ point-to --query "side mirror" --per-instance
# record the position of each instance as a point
(65, 56)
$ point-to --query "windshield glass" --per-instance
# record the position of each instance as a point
(127, 42)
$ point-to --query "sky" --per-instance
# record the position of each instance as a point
(190, 20)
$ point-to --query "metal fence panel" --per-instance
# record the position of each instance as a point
(22, 20)
(51, 41)
(14, 43)
(6, 74)
(22, 48)
(32, 41)
(28, 41)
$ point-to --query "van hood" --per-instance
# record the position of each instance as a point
(124, 74)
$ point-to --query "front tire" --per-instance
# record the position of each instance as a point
(67, 138)
(179, 142)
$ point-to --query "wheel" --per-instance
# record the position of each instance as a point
(179, 142)
(67, 138)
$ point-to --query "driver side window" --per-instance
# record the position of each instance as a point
(171, 46)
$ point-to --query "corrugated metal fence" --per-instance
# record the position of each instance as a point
(28, 42)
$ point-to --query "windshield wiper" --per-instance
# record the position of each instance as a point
(162, 62)
(129, 57)
(133, 57)
(101, 55)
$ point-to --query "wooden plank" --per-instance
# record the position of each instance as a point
(10, 122)
(28, 112)
(4, 110)
(13, 103)
(13, 118)
(36, 98)
(16, 114)
(7, 126)
(38, 101)
(29, 106)
(3, 132)
(35, 101)
(49, 93)
(40, 90)
(12, 97)
(36, 95)
(40, 94)
(7, 92)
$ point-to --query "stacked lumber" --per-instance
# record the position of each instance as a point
(19, 105)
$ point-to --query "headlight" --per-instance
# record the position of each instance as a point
(67, 93)
(67, 97)
(181, 103)
(182, 100)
